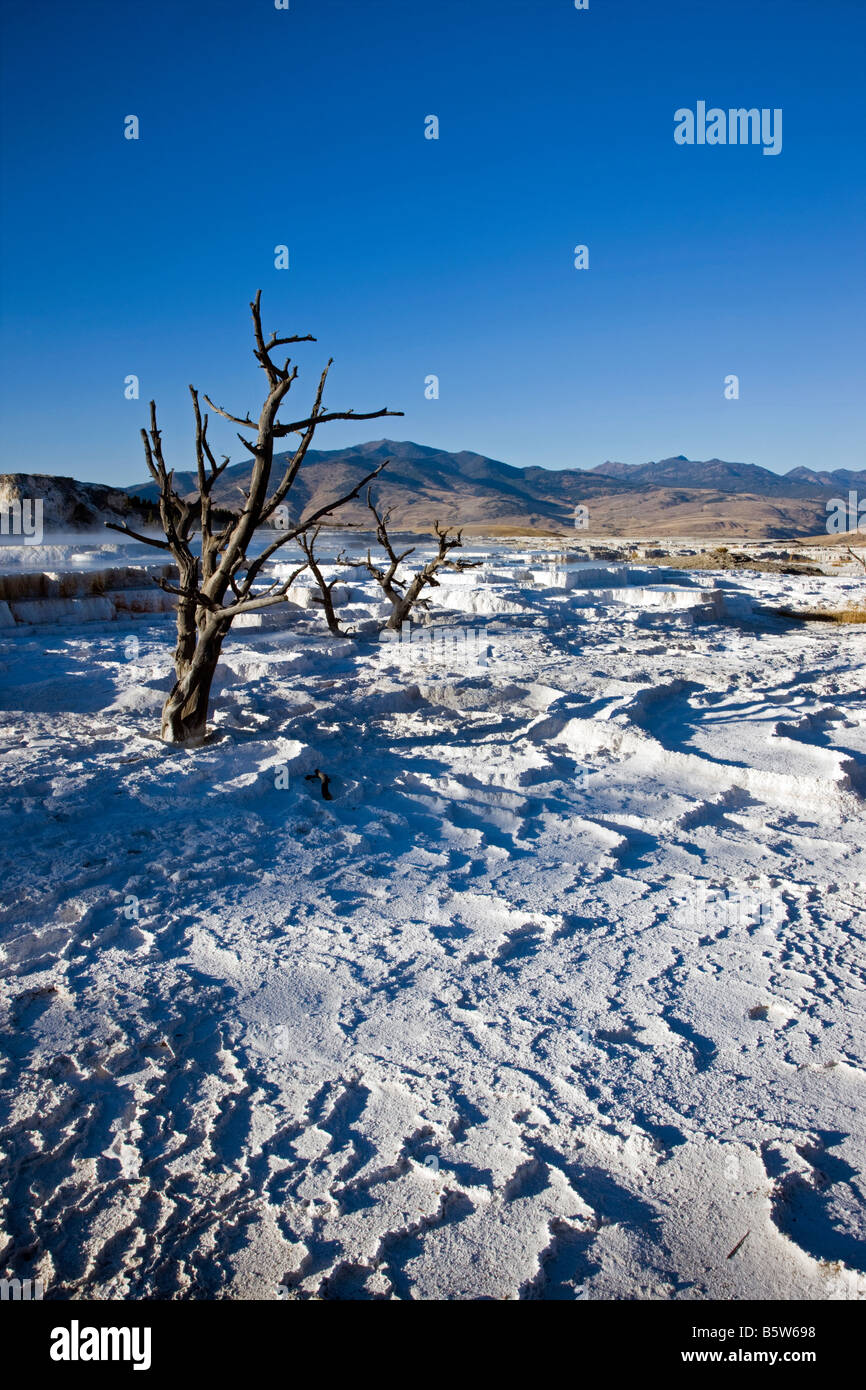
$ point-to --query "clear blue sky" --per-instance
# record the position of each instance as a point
(411, 257)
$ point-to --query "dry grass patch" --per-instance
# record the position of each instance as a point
(854, 613)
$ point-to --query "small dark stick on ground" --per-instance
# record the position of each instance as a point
(737, 1246)
(325, 781)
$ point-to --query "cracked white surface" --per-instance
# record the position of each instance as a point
(560, 997)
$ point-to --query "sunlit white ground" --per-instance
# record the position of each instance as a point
(559, 997)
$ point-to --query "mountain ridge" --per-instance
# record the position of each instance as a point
(676, 471)
(422, 484)
(672, 496)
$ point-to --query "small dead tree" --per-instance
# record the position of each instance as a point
(404, 595)
(326, 587)
(854, 556)
(219, 584)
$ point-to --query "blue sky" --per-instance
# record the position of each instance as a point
(411, 257)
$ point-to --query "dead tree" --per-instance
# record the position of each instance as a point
(855, 556)
(326, 587)
(404, 595)
(214, 587)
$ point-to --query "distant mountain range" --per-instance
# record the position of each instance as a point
(674, 496)
(731, 477)
(669, 497)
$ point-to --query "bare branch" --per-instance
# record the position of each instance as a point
(136, 535)
(292, 470)
(284, 538)
(280, 431)
(227, 415)
(266, 600)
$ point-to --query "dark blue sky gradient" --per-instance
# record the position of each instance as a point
(411, 257)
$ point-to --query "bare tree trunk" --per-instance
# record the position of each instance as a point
(403, 603)
(326, 588)
(185, 712)
(186, 609)
(328, 606)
